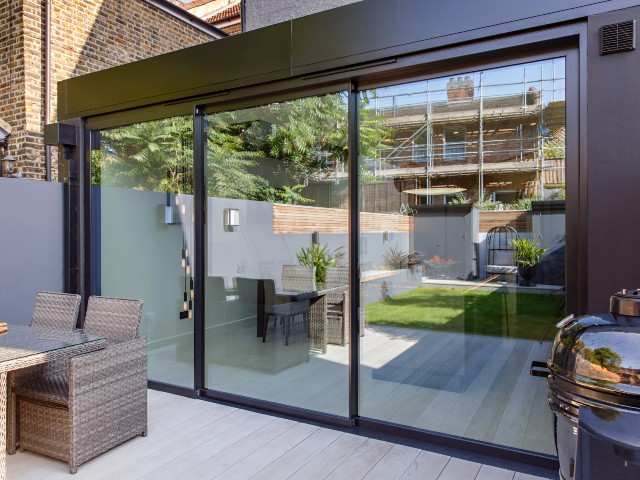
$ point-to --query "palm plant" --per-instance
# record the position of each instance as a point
(526, 251)
(397, 259)
(321, 257)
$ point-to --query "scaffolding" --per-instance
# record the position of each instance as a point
(521, 130)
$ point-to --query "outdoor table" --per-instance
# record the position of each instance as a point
(317, 312)
(23, 346)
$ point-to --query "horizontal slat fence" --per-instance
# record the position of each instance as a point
(301, 219)
(518, 219)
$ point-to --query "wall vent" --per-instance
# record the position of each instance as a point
(618, 37)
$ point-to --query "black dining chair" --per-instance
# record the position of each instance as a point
(259, 296)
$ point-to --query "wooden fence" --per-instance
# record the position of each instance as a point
(301, 219)
(518, 219)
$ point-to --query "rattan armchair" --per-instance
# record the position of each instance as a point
(337, 278)
(100, 399)
(58, 311)
(298, 278)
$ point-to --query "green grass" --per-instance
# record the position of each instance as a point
(519, 315)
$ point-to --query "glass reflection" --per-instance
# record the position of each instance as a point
(462, 252)
(276, 302)
(142, 192)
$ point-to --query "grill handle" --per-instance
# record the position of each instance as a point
(539, 369)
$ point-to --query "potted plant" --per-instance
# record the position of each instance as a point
(527, 255)
(320, 257)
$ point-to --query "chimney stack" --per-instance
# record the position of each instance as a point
(460, 88)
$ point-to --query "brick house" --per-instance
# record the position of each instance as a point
(44, 42)
(223, 14)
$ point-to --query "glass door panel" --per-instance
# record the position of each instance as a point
(462, 252)
(142, 200)
(276, 304)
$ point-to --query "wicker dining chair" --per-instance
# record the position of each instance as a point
(298, 278)
(283, 313)
(258, 297)
(58, 311)
(100, 399)
(337, 305)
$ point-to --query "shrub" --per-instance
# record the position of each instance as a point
(397, 259)
(526, 251)
(320, 257)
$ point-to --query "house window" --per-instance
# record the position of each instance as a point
(455, 148)
(505, 197)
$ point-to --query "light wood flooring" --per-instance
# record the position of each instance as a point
(467, 385)
(195, 439)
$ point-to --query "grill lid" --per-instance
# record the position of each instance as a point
(626, 302)
(602, 352)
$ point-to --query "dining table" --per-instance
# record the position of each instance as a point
(23, 346)
(317, 311)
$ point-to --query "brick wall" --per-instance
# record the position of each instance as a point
(11, 68)
(86, 35)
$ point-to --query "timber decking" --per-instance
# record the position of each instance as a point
(197, 439)
(468, 385)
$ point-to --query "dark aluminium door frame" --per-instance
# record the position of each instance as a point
(565, 41)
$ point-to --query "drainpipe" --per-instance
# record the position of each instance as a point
(47, 82)
(243, 15)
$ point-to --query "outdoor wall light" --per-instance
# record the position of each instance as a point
(8, 166)
(315, 238)
(231, 219)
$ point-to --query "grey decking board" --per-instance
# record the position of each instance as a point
(297, 457)
(145, 463)
(264, 456)
(426, 466)
(206, 451)
(445, 400)
(244, 427)
(488, 472)
(330, 458)
(456, 420)
(230, 456)
(512, 426)
(457, 469)
(494, 402)
(394, 463)
(540, 420)
(361, 461)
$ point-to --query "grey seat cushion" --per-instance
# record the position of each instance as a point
(502, 269)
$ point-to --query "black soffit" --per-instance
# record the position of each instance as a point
(362, 32)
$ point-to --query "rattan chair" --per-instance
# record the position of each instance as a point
(258, 297)
(284, 313)
(100, 399)
(58, 311)
(298, 278)
(337, 278)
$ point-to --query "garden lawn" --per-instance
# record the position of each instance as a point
(518, 315)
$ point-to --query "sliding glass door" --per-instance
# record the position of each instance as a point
(463, 252)
(142, 206)
(461, 249)
(276, 302)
